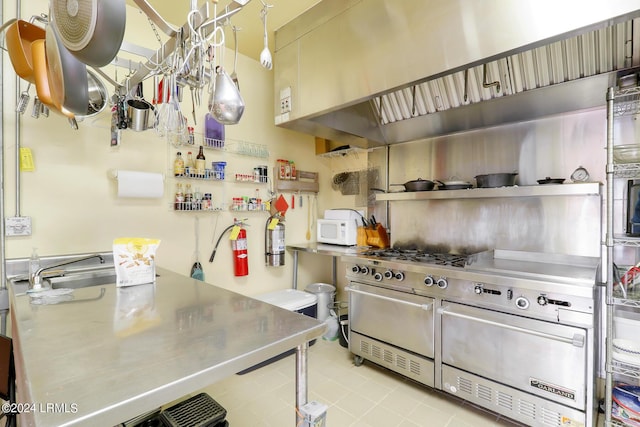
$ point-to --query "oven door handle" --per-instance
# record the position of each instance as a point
(577, 340)
(369, 294)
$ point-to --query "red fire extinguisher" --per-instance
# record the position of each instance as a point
(240, 255)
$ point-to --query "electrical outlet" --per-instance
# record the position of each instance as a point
(18, 226)
(285, 100)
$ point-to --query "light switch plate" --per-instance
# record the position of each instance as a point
(18, 226)
(285, 100)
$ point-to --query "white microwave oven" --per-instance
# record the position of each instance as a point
(339, 227)
(337, 231)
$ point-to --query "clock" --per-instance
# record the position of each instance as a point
(580, 175)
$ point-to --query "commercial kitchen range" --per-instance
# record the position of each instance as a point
(510, 331)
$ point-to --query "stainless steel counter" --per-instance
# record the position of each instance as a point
(107, 356)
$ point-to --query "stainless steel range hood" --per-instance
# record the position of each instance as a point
(373, 72)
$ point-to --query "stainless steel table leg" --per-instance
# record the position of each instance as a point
(295, 269)
(334, 276)
(301, 379)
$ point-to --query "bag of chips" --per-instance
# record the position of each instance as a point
(135, 260)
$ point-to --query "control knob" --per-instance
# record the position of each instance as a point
(377, 277)
(399, 276)
(364, 269)
(442, 283)
(429, 281)
(478, 289)
(542, 300)
(388, 274)
(522, 303)
(355, 269)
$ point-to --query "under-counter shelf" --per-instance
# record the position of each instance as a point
(574, 189)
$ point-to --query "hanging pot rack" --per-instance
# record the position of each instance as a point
(203, 22)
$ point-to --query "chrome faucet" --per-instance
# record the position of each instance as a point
(35, 280)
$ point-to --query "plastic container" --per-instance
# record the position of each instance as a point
(326, 294)
(213, 132)
(218, 169)
(292, 300)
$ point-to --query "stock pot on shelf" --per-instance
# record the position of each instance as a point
(492, 180)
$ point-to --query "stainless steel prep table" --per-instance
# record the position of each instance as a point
(103, 367)
(322, 249)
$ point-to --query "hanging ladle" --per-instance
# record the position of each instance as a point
(234, 76)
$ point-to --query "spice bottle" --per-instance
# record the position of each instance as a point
(188, 198)
(200, 162)
(178, 165)
(179, 201)
(293, 170)
(188, 163)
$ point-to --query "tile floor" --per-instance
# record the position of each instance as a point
(363, 396)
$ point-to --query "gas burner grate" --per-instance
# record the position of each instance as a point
(418, 256)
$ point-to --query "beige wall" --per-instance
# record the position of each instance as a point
(74, 207)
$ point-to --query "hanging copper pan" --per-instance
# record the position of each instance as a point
(19, 37)
(41, 78)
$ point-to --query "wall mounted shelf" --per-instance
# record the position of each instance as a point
(305, 182)
(574, 189)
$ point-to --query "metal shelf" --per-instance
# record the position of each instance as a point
(344, 152)
(622, 240)
(620, 368)
(627, 101)
(626, 170)
(622, 102)
(627, 303)
(574, 189)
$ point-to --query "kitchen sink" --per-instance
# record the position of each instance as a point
(84, 279)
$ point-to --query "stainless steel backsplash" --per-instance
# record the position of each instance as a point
(552, 147)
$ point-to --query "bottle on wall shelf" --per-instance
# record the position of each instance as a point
(178, 165)
(189, 165)
(200, 162)
(179, 201)
(188, 197)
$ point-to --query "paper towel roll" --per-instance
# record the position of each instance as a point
(140, 184)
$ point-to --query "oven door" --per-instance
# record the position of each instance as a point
(541, 358)
(397, 318)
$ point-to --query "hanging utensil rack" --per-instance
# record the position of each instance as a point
(182, 34)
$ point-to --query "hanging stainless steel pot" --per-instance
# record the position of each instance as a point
(228, 105)
(492, 180)
(68, 80)
(91, 30)
(98, 95)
